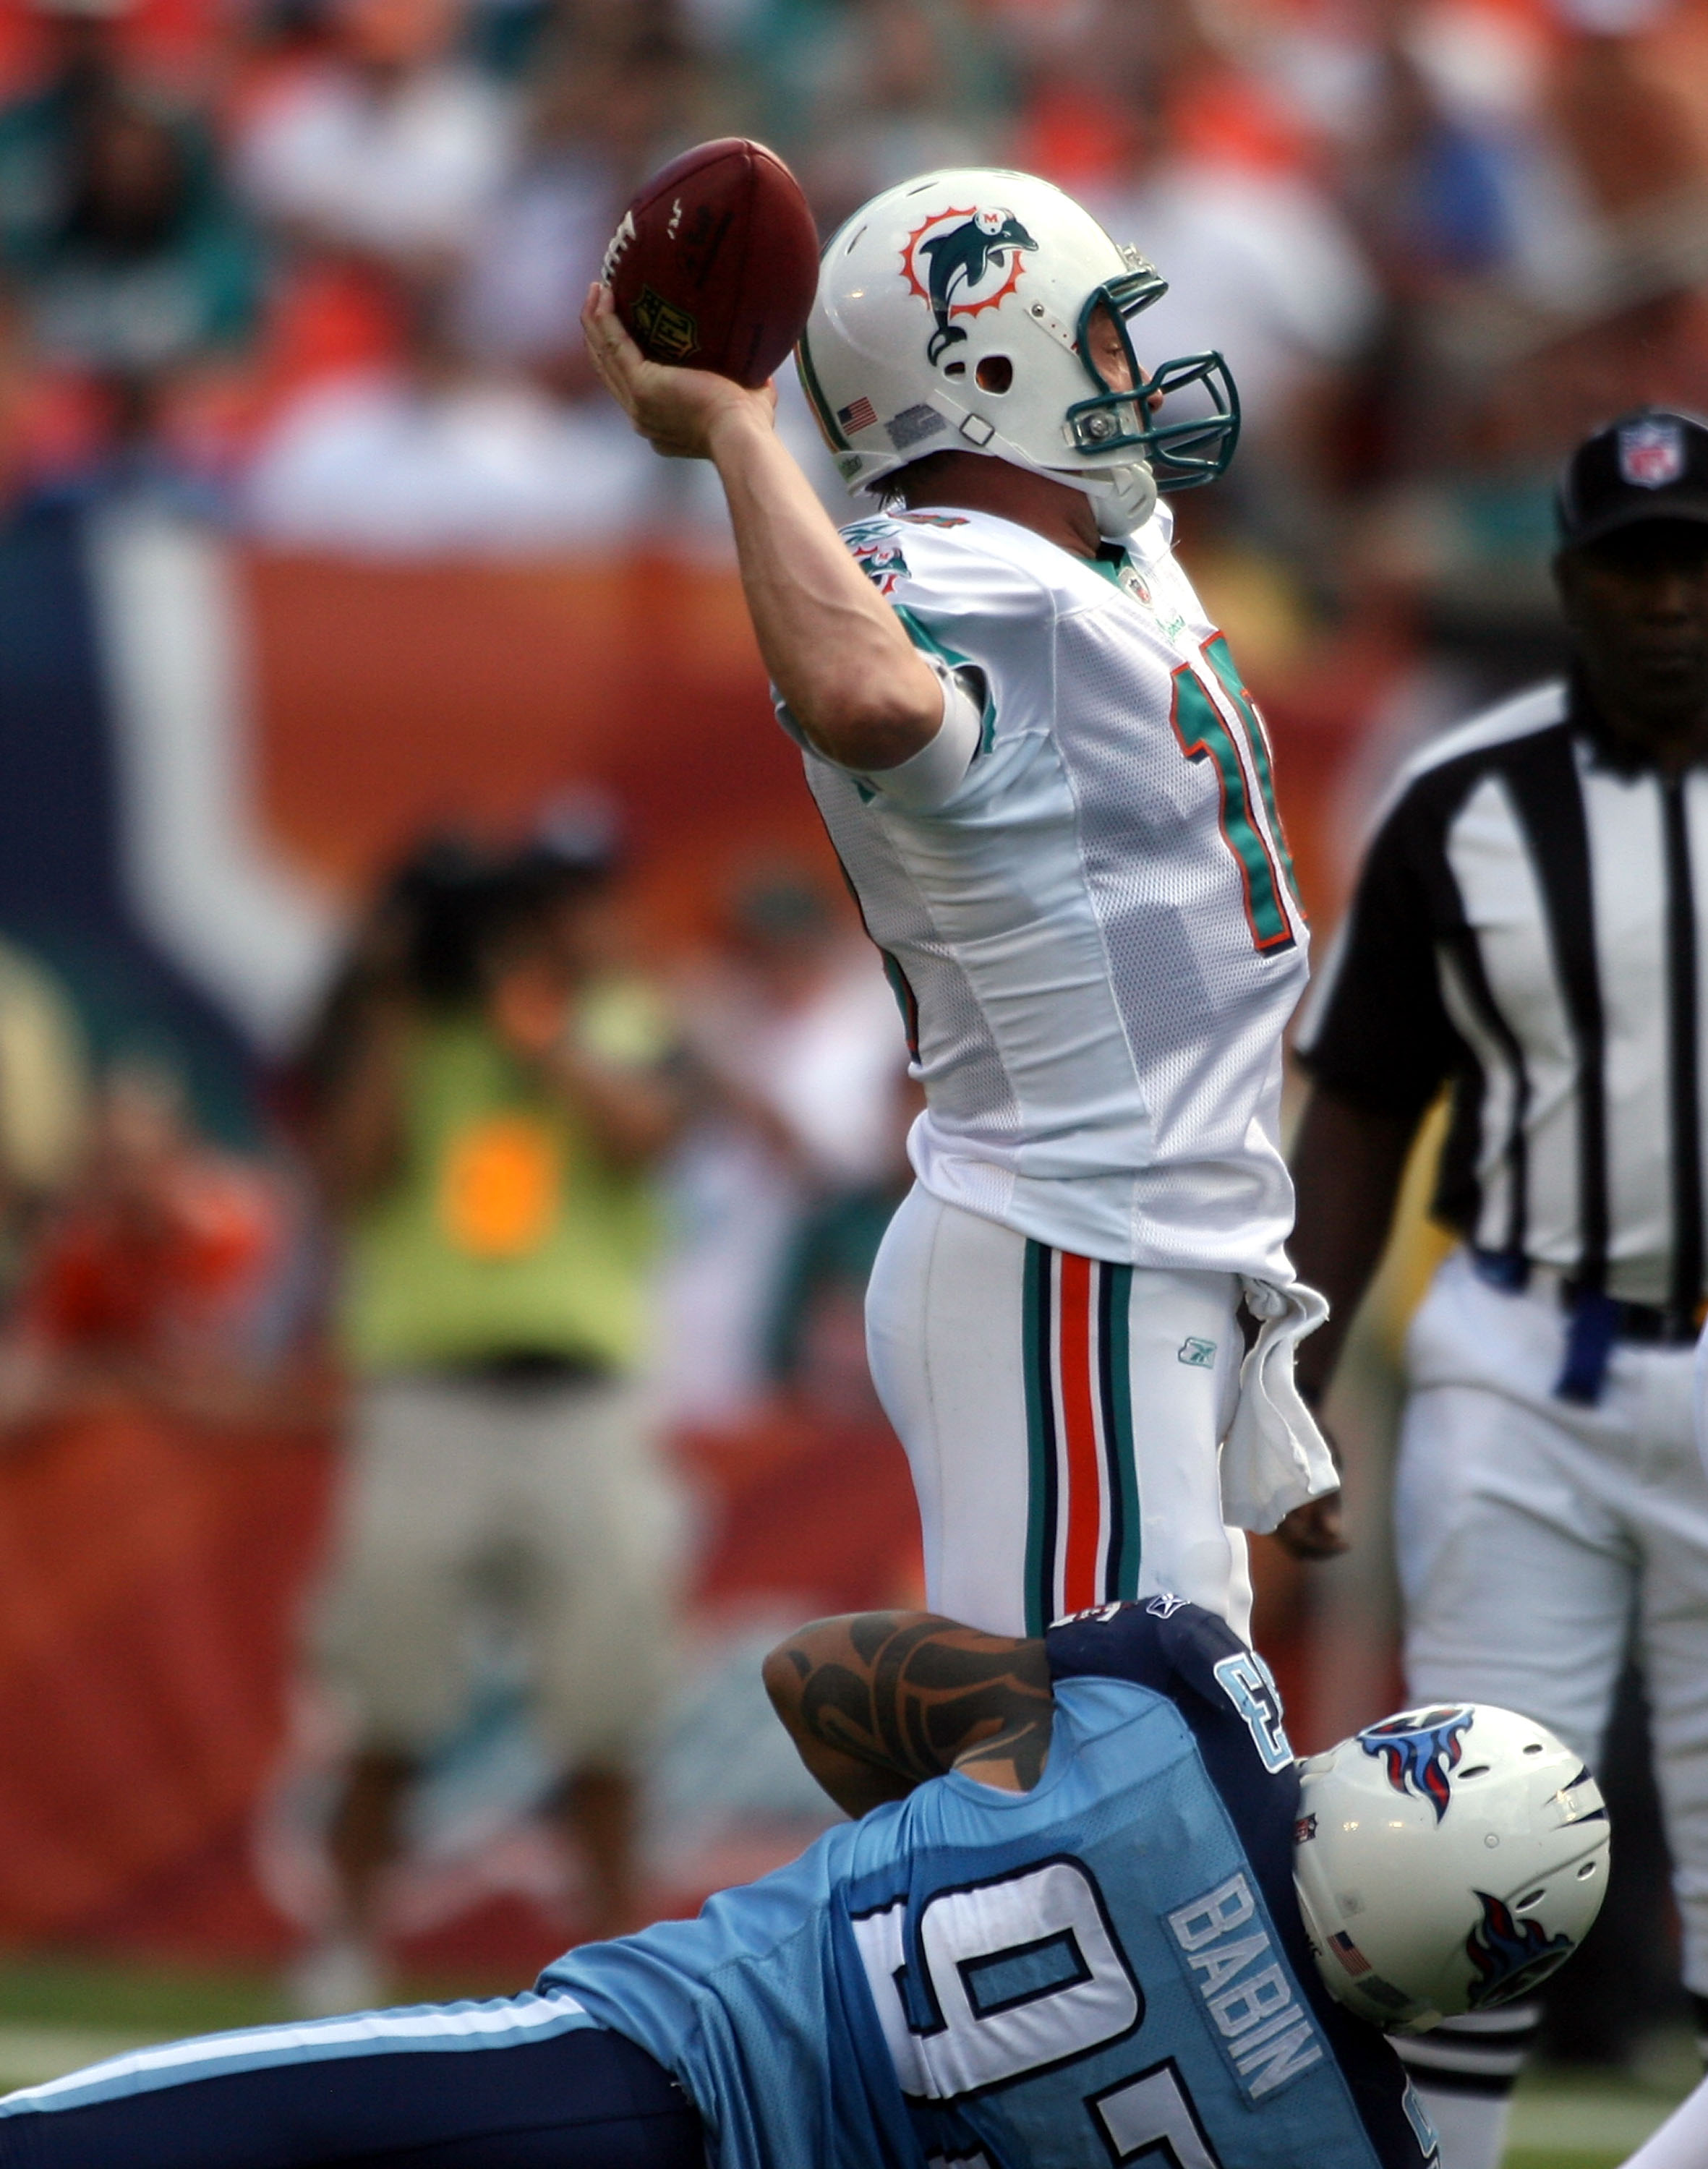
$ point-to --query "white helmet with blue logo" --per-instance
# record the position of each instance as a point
(1446, 1860)
(952, 314)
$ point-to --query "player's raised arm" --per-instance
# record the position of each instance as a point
(878, 1702)
(836, 651)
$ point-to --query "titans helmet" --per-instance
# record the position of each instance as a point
(1446, 1860)
(952, 314)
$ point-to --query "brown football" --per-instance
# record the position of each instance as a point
(715, 262)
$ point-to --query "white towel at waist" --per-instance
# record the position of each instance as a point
(1274, 1457)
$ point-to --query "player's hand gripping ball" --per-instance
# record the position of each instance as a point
(715, 263)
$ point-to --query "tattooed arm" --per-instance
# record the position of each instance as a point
(878, 1702)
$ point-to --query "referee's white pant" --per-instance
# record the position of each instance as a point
(1061, 1416)
(1539, 1541)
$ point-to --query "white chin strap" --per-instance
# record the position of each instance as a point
(1123, 497)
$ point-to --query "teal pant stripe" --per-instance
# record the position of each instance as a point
(1121, 1579)
(1036, 1365)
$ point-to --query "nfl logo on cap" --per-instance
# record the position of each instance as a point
(1651, 453)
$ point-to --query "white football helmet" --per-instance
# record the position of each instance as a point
(952, 314)
(1446, 1860)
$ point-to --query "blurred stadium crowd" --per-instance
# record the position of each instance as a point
(317, 263)
(306, 274)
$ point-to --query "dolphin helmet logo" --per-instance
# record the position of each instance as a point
(961, 261)
(1419, 1749)
(1510, 1956)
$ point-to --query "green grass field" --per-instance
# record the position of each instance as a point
(55, 2015)
(1593, 2119)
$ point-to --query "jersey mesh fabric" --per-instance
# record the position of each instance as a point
(1098, 1029)
(811, 2017)
(1176, 989)
(969, 1084)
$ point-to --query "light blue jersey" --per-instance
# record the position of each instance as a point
(1107, 1968)
(1049, 1979)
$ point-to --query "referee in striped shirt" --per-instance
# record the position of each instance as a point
(1531, 929)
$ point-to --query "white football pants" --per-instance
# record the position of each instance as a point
(1062, 1418)
(1539, 1541)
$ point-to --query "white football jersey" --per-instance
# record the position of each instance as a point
(1091, 924)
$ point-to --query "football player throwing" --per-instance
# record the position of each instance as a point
(1049, 787)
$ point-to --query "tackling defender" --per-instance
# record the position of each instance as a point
(1052, 794)
(1093, 1912)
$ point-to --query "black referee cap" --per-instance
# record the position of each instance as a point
(1651, 465)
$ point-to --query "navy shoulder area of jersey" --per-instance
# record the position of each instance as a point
(1195, 1659)
(1227, 1696)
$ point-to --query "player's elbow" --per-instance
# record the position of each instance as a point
(874, 721)
(782, 1672)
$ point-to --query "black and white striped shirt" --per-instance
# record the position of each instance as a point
(1527, 926)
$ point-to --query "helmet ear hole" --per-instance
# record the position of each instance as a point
(995, 373)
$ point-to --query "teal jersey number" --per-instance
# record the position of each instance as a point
(1221, 661)
(1203, 734)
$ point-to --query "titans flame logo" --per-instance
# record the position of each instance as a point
(1510, 1956)
(1419, 1750)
